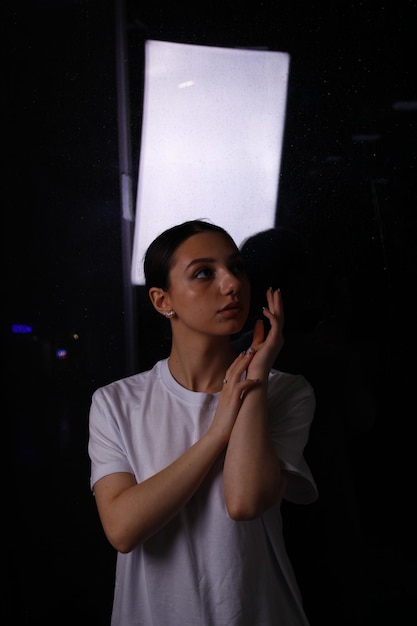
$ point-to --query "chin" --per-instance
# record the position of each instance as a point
(236, 328)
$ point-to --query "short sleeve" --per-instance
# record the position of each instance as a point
(291, 405)
(105, 445)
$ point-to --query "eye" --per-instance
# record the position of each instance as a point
(203, 272)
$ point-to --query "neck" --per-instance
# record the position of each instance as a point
(201, 368)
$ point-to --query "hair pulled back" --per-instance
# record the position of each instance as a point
(159, 257)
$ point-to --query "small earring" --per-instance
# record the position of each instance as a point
(169, 314)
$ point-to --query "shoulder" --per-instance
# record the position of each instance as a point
(285, 384)
(290, 396)
(128, 387)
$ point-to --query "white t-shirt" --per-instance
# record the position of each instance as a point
(203, 568)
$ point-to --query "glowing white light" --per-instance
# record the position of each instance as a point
(187, 83)
(213, 151)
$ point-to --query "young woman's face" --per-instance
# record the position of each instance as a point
(209, 289)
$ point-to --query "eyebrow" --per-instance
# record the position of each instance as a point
(236, 254)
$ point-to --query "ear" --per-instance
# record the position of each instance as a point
(160, 300)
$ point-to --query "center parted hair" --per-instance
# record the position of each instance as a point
(159, 257)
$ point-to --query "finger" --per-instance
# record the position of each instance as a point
(275, 308)
(279, 306)
(247, 385)
(270, 299)
(234, 372)
(235, 392)
(273, 299)
(258, 332)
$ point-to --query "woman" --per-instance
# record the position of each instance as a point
(190, 460)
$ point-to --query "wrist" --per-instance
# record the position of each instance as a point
(257, 374)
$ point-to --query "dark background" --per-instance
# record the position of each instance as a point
(348, 183)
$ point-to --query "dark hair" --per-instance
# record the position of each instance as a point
(159, 257)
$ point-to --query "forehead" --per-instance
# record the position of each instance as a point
(204, 245)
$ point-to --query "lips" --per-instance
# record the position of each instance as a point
(233, 306)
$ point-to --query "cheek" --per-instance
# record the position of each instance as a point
(191, 301)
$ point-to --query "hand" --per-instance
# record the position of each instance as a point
(232, 393)
(257, 361)
(267, 348)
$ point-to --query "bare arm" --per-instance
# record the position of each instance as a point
(253, 479)
(131, 512)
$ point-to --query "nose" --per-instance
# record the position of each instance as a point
(229, 283)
